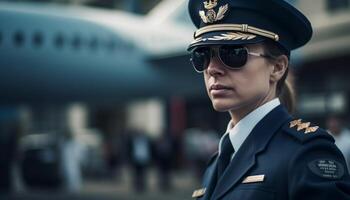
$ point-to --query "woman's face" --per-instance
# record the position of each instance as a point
(241, 89)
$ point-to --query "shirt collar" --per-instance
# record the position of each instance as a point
(241, 130)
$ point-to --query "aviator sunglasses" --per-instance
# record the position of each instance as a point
(233, 57)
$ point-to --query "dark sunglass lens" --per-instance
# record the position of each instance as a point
(233, 57)
(200, 58)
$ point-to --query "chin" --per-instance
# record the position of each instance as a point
(222, 107)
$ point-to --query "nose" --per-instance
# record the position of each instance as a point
(215, 67)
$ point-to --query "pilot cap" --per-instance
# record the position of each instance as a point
(240, 22)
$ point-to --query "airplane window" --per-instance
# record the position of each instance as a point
(38, 39)
(59, 40)
(76, 42)
(93, 43)
(18, 38)
(111, 45)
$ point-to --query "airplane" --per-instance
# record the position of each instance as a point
(61, 53)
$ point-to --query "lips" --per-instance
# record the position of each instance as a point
(220, 91)
(219, 87)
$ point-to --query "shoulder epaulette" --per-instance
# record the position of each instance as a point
(305, 131)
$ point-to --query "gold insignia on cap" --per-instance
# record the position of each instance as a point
(210, 4)
(233, 36)
(197, 40)
(300, 126)
(199, 193)
(243, 28)
(226, 36)
(211, 16)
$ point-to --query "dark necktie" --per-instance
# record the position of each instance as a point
(225, 155)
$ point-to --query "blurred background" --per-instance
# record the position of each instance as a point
(98, 99)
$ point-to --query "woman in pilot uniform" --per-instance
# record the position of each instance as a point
(243, 47)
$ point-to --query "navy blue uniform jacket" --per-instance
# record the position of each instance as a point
(280, 160)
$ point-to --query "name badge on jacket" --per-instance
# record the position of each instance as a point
(199, 193)
(254, 179)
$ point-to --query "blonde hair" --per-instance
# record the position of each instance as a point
(285, 90)
(287, 96)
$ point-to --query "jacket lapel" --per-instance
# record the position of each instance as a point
(210, 179)
(246, 156)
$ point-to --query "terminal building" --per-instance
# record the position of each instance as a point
(322, 74)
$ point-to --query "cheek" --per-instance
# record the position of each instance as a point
(253, 82)
(206, 81)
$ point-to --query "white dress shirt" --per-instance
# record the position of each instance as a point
(242, 129)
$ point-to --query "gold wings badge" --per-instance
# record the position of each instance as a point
(211, 16)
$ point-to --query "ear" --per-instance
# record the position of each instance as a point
(280, 65)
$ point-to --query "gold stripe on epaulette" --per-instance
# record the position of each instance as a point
(300, 126)
(295, 123)
(236, 27)
(311, 129)
(303, 126)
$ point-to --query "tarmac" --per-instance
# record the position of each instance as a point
(119, 188)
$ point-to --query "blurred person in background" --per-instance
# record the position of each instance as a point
(10, 131)
(71, 161)
(243, 47)
(341, 134)
(201, 143)
(139, 146)
(114, 151)
(163, 151)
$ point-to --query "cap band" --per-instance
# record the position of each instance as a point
(226, 36)
(236, 27)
